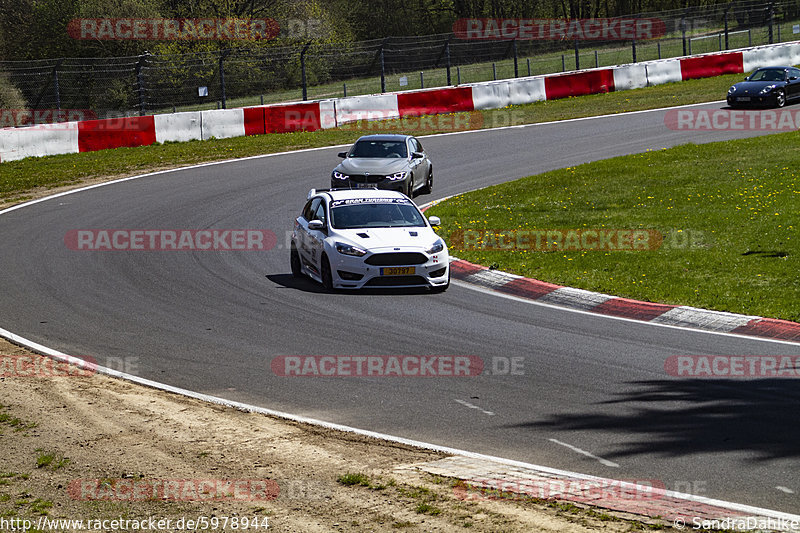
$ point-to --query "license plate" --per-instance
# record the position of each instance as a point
(743, 99)
(397, 271)
(364, 185)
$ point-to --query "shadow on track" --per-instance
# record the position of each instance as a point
(308, 285)
(681, 417)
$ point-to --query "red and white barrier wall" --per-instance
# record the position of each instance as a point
(70, 137)
(37, 141)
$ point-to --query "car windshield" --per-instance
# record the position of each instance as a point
(383, 149)
(768, 75)
(375, 213)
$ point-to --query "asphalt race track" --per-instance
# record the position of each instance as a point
(213, 321)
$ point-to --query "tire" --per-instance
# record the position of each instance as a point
(428, 183)
(410, 187)
(326, 275)
(297, 269)
(780, 99)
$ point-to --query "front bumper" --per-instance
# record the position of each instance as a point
(384, 184)
(753, 101)
(350, 272)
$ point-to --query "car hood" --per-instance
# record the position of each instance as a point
(755, 87)
(373, 165)
(383, 239)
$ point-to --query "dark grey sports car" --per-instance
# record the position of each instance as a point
(766, 86)
(395, 162)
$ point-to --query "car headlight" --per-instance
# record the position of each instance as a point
(437, 247)
(349, 249)
(767, 89)
(397, 176)
(732, 90)
(339, 176)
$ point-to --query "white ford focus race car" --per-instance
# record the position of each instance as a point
(349, 239)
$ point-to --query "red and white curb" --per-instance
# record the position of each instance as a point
(604, 304)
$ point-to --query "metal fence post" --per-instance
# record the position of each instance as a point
(727, 43)
(383, 69)
(633, 49)
(222, 57)
(447, 58)
(577, 56)
(771, 17)
(516, 65)
(56, 91)
(140, 82)
(683, 33)
(303, 70)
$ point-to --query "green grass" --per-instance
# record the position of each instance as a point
(426, 508)
(52, 460)
(354, 479)
(17, 178)
(727, 213)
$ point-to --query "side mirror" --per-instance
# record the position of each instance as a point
(792, 78)
(417, 155)
(435, 221)
(342, 154)
(316, 225)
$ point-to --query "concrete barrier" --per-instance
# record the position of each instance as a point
(710, 65)
(37, 141)
(630, 77)
(579, 83)
(494, 95)
(369, 107)
(222, 123)
(115, 133)
(436, 101)
(767, 56)
(527, 90)
(178, 127)
(663, 71)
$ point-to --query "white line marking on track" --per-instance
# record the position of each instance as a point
(602, 461)
(467, 404)
(486, 290)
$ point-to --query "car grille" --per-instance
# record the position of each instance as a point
(386, 281)
(399, 258)
(361, 178)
